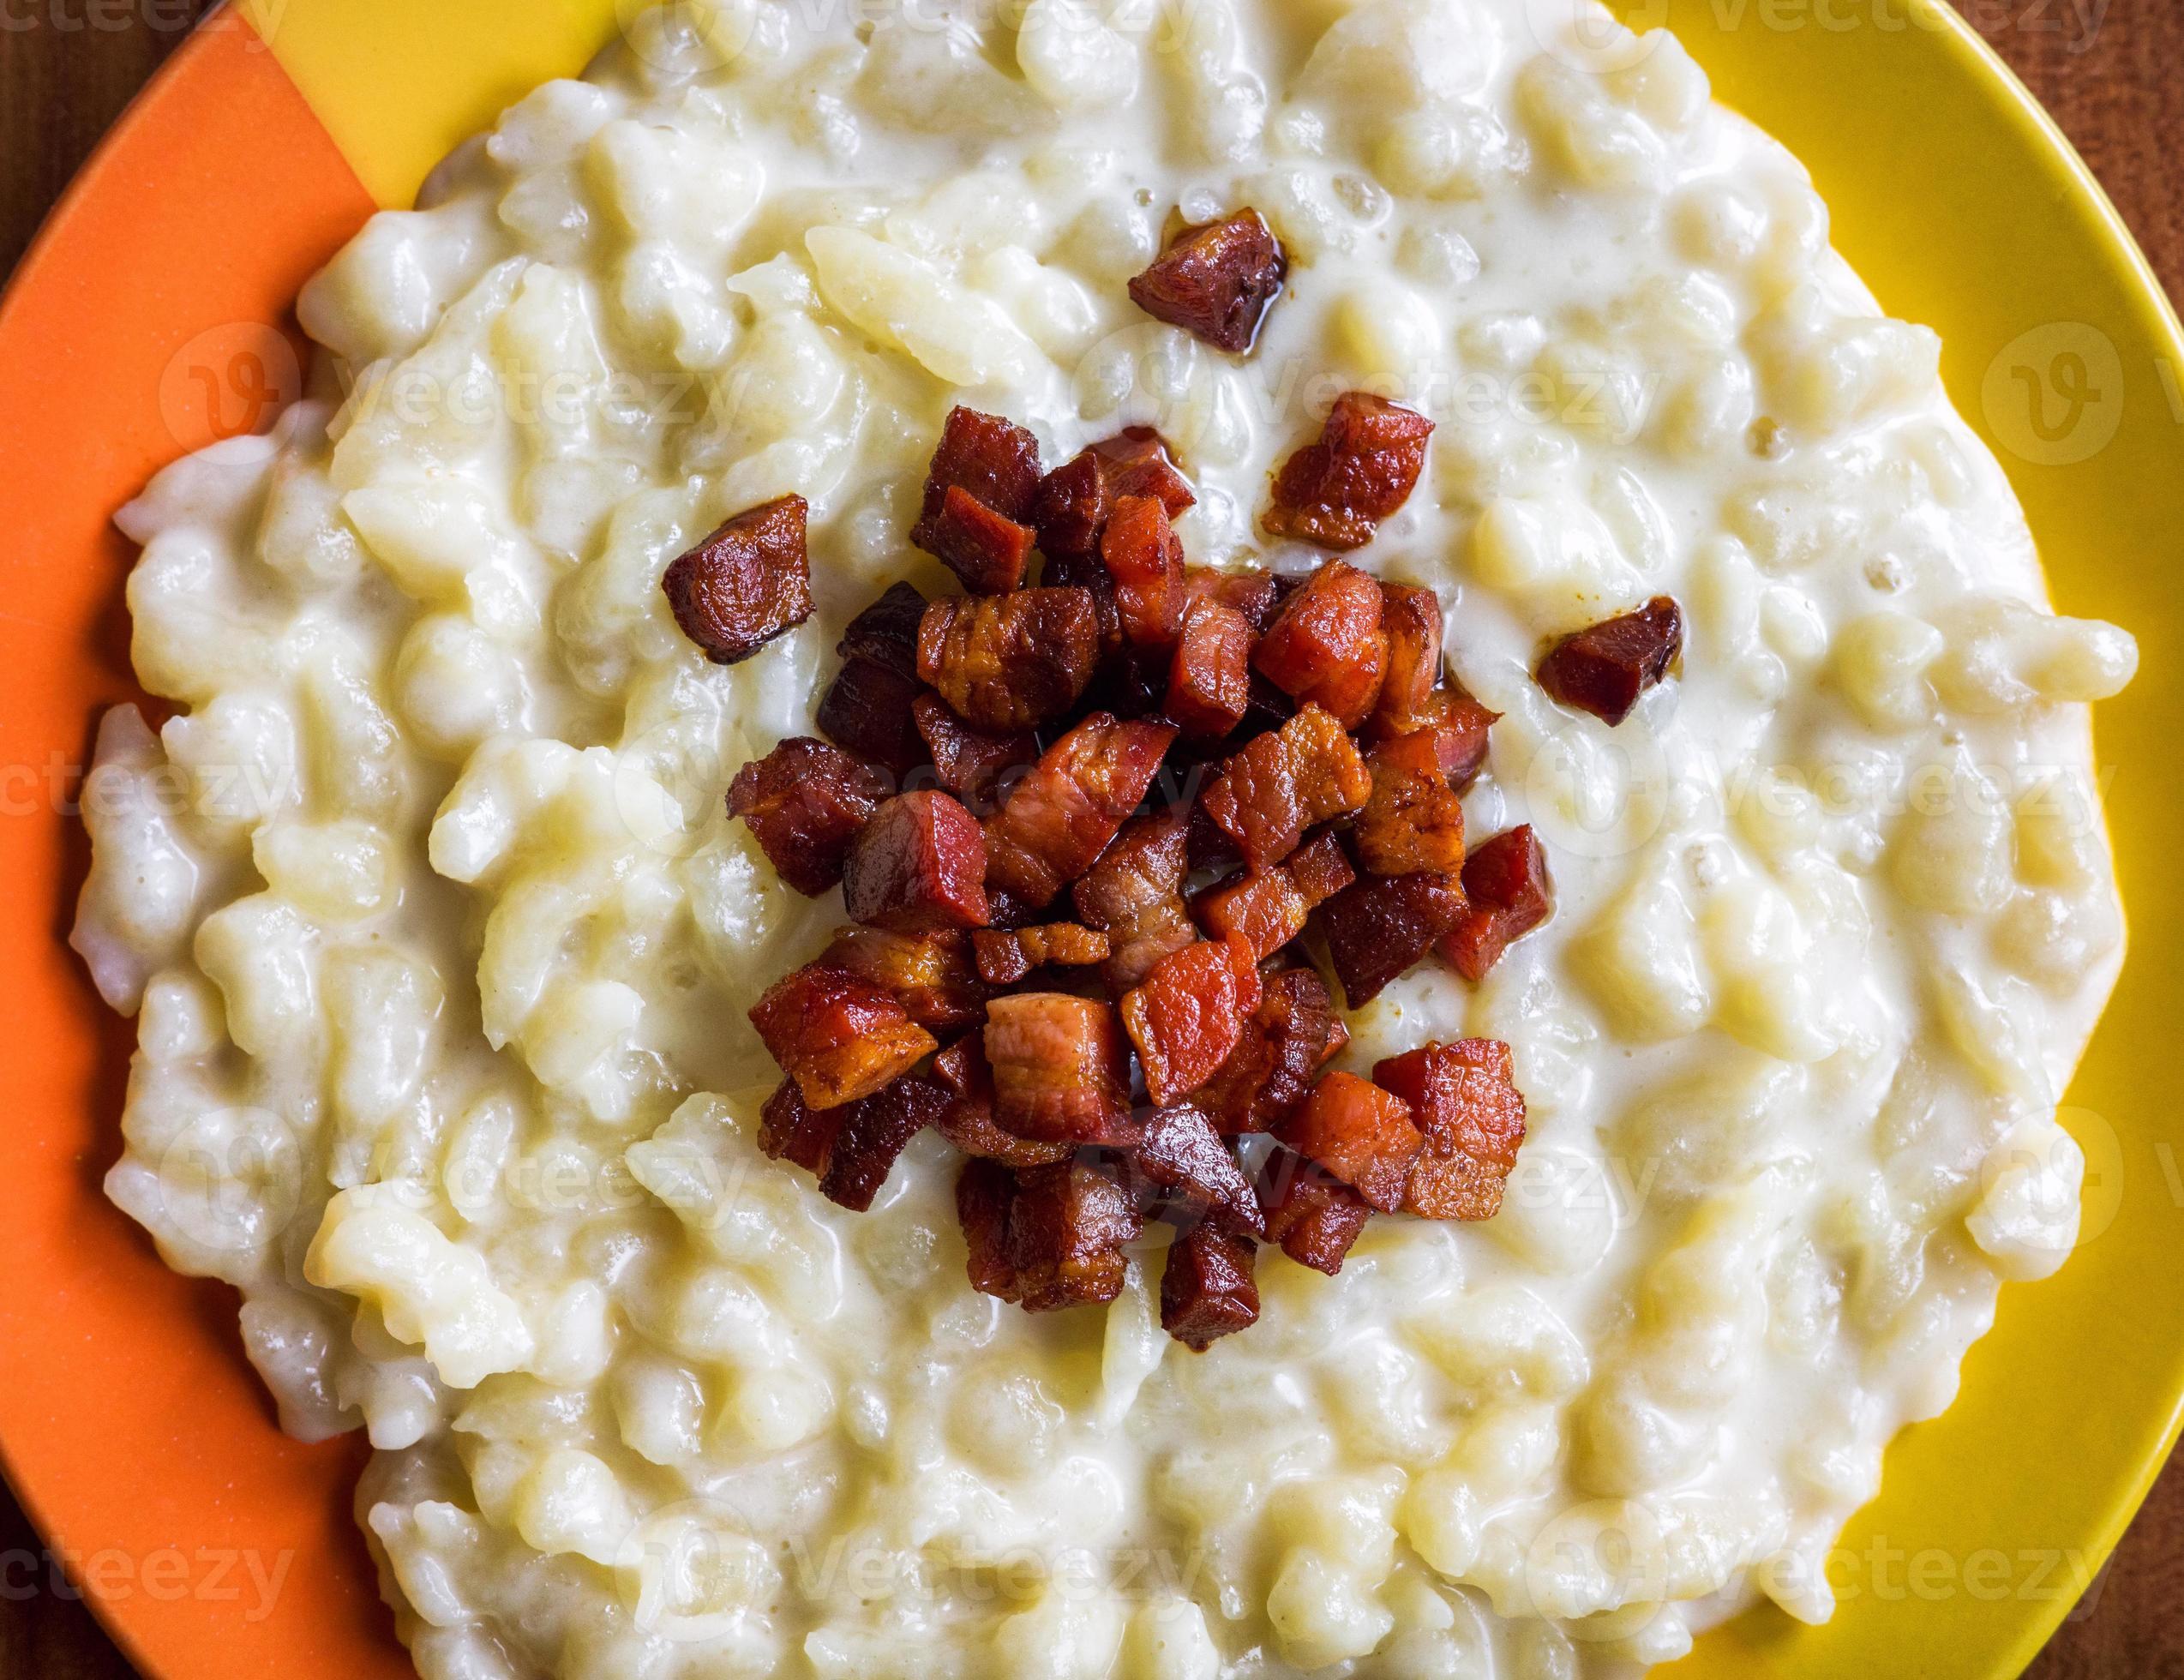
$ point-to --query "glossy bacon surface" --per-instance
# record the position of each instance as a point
(744, 584)
(1047, 1239)
(1605, 667)
(1190, 1013)
(986, 457)
(1510, 893)
(931, 975)
(970, 763)
(1060, 817)
(867, 706)
(804, 803)
(1007, 662)
(1325, 645)
(1180, 1151)
(1380, 927)
(838, 1037)
(1313, 1215)
(919, 864)
(1209, 680)
(1060, 1068)
(1215, 281)
(1281, 783)
(1294, 1033)
(1335, 492)
(1207, 1291)
(1144, 559)
(987, 549)
(1007, 956)
(1410, 618)
(1463, 1099)
(875, 1130)
(968, 1122)
(1360, 1133)
(1414, 819)
(1135, 892)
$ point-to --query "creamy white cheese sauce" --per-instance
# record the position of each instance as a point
(442, 940)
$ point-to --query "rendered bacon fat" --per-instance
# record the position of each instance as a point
(1190, 1013)
(1464, 1099)
(1379, 928)
(1215, 281)
(1007, 662)
(866, 708)
(1509, 893)
(1282, 782)
(1135, 892)
(1602, 669)
(1047, 1239)
(744, 584)
(931, 975)
(1414, 819)
(804, 803)
(838, 1037)
(919, 864)
(1060, 1070)
(1061, 816)
(1313, 1215)
(1325, 645)
(1335, 492)
(1359, 1132)
(1207, 1291)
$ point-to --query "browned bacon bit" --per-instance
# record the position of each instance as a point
(1047, 1239)
(1137, 461)
(1326, 645)
(838, 1037)
(1060, 1068)
(930, 975)
(969, 763)
(1337, 492)
(988, 551)
(1207, 1291)
(874, 1133)
(1284, 781)
(1135, 891)
(988, 459)
(1459, 726)
(804, 803)
(968, 1121)
(1189, 1012)
(1263, 911)
(1210, 682)
(1005, 957)
(1182, 1153)
(1360, 1133)
(1060, 817)
(790, 1129)
(1414, 820)
(867, 707)
(1604, 670)
(1073, 501)
(1320, 869)
(1144, 557)
(1380, 927)
(1007, 662)
(1215, 281)
(1509, 893)
(1249, 590)
(1410, 618)
(1314, 1215)
(1294, 1033)
(1463, 1097)
(984, 1192)
(920, 863)
(744, 584)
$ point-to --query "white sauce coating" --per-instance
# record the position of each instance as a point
(441, 939)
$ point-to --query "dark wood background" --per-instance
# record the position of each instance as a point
(2112, 71)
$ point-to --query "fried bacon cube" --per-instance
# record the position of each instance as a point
(1144, 558)
(1137, 461)
(1189, 1013)
(1459, 726)
(1060, 1068)
(1463, 1098)
(1047, 1239)
(838, 1037)
(1207, 1291)
(1377, 929)
(1060, 817)
(1325, 645)
(1360, 1133)
(988, 551)
(1209, 680)
(1314, 1215)
(1006, 956)
(1073, 501)
(969, 763)
(930, 974)
(1320, 869)
(1335, 492)
(744, 584)
(790, 1129)
(875, 1130)
(1007, 662)
(1265, 912)
(867, 706)
(1410, 618)
(1252, 590)
(981, 531)
(1414, 819)
(1215, 281)
(968, 1122)
(1283, 783)
(1181, 1152)
(1509, 893)
(920, 863)
(1605, 667)
(804, 803)
(1135, 892)
(1293, 1035)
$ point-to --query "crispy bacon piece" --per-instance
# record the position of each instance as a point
(804, 803)
(1189, 1014)
(931, 975)
(1335, 492)
(1215, 281)
(1459, 726)
(1414, 819)
(994, 465)
(1061, 1071)
(920, 863)
(1007, 662)
(1209, 682)
(987, 550)
(1073, 501)
(1378, 929)
(1360, 1133)
(1137, 461)
(969, 763)
(1265, 912)
(1061, 816)
(1321, 869)
(875, 1130)
(1325, 645)
(1047, 1239)
(790, 1129)
(867, 706)
(1314, 1215)
(1144, 557)
(1410, 617)
(1294, 1033)
(1006, 955)
(1135, 891)
(968, 1121)
(838, 1037)
(1463, 1098)
(1602, 669)
(1283, 782)
(1249, 590)
(1207, 1291)
(1181, 1152)
(1510, 894)
(744, 584)
(1089, 573)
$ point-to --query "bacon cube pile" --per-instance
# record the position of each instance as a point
(1104, 826)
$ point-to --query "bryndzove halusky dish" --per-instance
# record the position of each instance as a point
(442, 939)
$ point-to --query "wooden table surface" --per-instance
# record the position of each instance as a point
(2112, 71)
